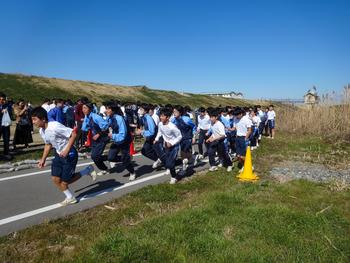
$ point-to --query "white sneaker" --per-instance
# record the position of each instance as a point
(69, 201)
(132, 177)
(213, 168)
(157, 164)
(184, 164)
(173, 180)
(196, 160)
(101, 173)
(220, 165)
(229, 169)
(167, 172)
(241, 171)
(112, 164)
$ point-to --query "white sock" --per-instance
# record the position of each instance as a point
(68, 194)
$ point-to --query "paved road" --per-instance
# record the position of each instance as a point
(29, 197)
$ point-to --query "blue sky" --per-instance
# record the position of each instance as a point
(269, 49)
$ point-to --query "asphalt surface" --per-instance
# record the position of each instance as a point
(29, 197)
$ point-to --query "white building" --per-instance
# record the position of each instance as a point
(231, 95)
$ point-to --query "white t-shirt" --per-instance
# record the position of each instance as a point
(52, 106)
(271, 115)
(46, 107)
(57, 135)
(204, 122)
(123, 109)
(218, 130)
(155, 117)
(169, 132)
(102, 111)
(256, 121)
(261, 114)
(242, 125)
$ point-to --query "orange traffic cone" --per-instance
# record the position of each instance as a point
(248, 174)
(88, 139)
(132, 148)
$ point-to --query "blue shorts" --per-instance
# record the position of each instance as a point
(186, 145)
(241, 146)
(64, 168)
(271, 124)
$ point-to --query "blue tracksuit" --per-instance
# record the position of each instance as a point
(121, 142)
(149, 133)
(97, 125)
(227, 125)
(56, 114)
(187, 129)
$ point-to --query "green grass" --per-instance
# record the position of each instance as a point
(29, 89)
(35, 89)
(208, 218)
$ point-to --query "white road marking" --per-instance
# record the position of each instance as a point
(87, 197)
(45, 171)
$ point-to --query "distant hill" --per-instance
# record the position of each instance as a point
(35, 89)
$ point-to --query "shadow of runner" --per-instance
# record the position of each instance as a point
(144, 169)
(98, 187)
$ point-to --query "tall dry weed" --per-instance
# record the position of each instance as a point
(328, 119)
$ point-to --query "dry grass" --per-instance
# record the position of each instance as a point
(328, 121)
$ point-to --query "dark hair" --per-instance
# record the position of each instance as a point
(114, 107)
(201, 109)
(46, 100)
(69, 102)
(89, 105)
(84, 100)
(238, 111)
(271, 106)
(165, 111)
(179, 108)
(187, 108)
(146, 107)
(214, 113)
(40, 113)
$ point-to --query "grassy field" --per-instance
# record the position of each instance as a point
(208, 218)
(35, 89)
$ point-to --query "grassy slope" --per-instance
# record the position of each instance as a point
(208, 218)
(35, 89)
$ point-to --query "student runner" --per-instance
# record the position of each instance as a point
(61, 138)
(121, 139)
(168, 147)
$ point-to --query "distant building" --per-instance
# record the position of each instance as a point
(311, 97)
(230, 95)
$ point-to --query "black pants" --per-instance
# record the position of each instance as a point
(97, 149)
(148, 150)
(168, 156)
(5, 134)
(201, 139)
(231, 138)
(124, 158)
(219, 147)
(79, 138)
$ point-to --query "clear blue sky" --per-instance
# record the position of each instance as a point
(270, 49)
